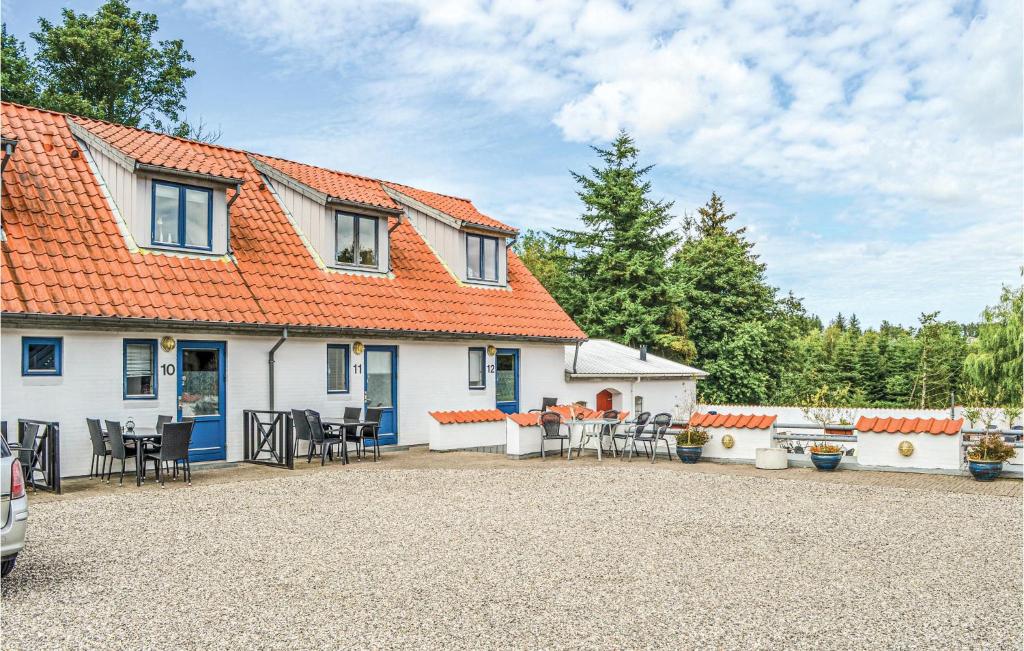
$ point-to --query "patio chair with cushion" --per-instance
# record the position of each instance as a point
(173, 448)
(629, 431)
(650, 436)
(100, 451)
(320, 436)
(372, 432)
(302, 432)
(551, 430)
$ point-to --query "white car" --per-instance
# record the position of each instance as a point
(14, 513)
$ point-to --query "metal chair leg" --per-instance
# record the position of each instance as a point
(120, 481)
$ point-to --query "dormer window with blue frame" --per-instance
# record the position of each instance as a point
(182, 216)
(482, 258)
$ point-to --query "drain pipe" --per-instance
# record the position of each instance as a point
(576, 357)
(270, 364)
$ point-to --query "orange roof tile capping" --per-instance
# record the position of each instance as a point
(65, 252)
(910, 425)
(738, 421)
(470, 416)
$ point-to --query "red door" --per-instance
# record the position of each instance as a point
(604, 400)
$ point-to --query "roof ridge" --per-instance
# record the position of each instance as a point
(319, 167)
(440, 194)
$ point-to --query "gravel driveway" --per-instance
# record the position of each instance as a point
(562, 557)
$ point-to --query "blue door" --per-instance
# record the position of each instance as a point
(201, 395)
(506, 383)
(380, 388)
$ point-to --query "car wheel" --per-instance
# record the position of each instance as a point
(7, 565)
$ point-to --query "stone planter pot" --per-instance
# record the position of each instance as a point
(689, 453)
(826, 461)
(985, 470)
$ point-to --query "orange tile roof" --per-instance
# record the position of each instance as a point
(910, 425)
(334, 184)
(469, 416)
(456, 207)
(738, 421)
(64, 253)
(566, 411)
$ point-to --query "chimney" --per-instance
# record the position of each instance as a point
(643, 352)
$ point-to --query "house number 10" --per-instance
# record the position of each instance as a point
(167, 369)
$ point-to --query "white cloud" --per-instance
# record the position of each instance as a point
(912, 109)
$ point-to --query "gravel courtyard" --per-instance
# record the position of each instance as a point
(533, 557)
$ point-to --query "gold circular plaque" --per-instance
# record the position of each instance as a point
(906, 448)
(167, 343)
(728, 441)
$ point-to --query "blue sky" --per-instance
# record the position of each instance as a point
(873, 150)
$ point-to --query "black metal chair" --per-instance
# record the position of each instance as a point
(652, 435)
(301, 426)
(173, 448)
(371, 432)
(352, 433)
(545, 404)
(629, 431)
(99, 448)
(551, 430)
(27, 452)
(119, 449)
(319, 436)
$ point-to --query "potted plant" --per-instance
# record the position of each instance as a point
(825, 456)
(985, 458)
(690, 443)
(821, 408)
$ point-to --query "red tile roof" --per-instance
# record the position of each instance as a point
(64, 253)
(456, 207)
(334, 184)
(910, 425)
(470, 416)
(738, 421)
(566, 411)
(525, 420)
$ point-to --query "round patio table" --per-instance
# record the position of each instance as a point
(581, 427)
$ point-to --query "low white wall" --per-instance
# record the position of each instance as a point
(746, 443)
(931, 451)
(457, 436)
(675, 396)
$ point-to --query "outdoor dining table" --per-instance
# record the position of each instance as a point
(581, 425)
(344, 423)
(140, 435)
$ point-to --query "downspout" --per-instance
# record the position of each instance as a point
(238, 190)
(270, 364)
(398, 220)
(576, 357)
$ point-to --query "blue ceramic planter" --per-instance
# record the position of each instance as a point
(689, 453)
(826, 461)
(985, 470)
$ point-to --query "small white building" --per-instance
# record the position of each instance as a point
(147, 275)
(607, 375)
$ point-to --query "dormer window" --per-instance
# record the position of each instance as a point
(182, 216)
(482, 258)
(356, 240)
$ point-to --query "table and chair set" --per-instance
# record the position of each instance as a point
(574, 423)
(165, 444)
(323, 435)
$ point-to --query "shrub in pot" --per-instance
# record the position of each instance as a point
(985, 458)
(825, 456)
(690, 443)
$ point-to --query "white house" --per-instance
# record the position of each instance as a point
(145, 274)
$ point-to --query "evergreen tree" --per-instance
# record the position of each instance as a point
(869, 369)
(619, 283)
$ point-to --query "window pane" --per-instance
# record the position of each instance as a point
(165, 219)
(476, 368)
(197, 218)
(337, 364)
(505, 382)
(367, 241)
(200, 383)
(345, 243)
(378, 378)
(42, 357)
(490, 270)
(138, 369)
(472, 256)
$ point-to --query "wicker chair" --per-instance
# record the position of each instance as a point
(551, 430)
(652, 435)
(173, 448)
(627, 433)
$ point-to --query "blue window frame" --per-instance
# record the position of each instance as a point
(355, 240)
(481, 258)
(42, 356)
(477, 368)
(182, 216)
(140, 377)
(337, 368)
